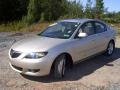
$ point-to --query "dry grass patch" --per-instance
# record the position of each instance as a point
(35, 27)
(22, 27)
(117, 27)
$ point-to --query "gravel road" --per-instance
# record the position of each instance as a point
(98, 73)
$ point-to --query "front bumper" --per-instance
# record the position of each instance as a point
(32, 67)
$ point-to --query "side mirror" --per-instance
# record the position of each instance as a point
(82, 35)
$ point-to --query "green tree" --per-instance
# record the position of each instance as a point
(52, 9)
(74, 10)
(34, 11)
(88, 9)
(99, 9)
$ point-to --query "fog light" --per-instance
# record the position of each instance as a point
(34, 70)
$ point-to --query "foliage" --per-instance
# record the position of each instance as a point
(52, 9)
(112, 17)
(73, 10)
(12, 26)
(99, 8)
(32, 11)
(89, 10)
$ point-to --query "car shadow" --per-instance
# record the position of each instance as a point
(81, 69)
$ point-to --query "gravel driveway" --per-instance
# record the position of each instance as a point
(98, 73)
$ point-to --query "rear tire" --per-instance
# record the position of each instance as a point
(60, 66)
(110, 48)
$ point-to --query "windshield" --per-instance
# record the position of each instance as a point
(62, 30)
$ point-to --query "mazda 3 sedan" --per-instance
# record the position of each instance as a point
(61, 45)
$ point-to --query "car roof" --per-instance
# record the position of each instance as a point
(79, 20)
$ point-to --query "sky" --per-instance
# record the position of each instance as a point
(112, 5)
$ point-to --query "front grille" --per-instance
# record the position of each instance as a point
(18, 68)
(14, 54)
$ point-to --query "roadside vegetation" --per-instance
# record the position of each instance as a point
(117, 27)
(34, 15)
(22, 27)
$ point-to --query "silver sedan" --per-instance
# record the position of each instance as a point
(61, 45)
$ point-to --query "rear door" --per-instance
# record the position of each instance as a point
(101, 36)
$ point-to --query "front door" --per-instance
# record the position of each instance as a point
(84, 47)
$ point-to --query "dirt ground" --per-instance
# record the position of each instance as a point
(98, 73)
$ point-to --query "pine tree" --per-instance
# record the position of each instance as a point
(88, 9)
(52, 9)
(34, 11)
(99, 8)
(74, 10)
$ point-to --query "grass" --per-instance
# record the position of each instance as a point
(36, 27)
(117, 27)
(13, 26)
(20, 26)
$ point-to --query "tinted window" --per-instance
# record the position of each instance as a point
(100, 27)
(88, 28)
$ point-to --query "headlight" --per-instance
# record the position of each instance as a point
(36, 55)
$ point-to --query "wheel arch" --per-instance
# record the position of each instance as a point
(112, 40)
(69, 60)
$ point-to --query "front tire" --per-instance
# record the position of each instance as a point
(110, 48)
(60, 66)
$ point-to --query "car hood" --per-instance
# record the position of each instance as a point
(37, 44)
